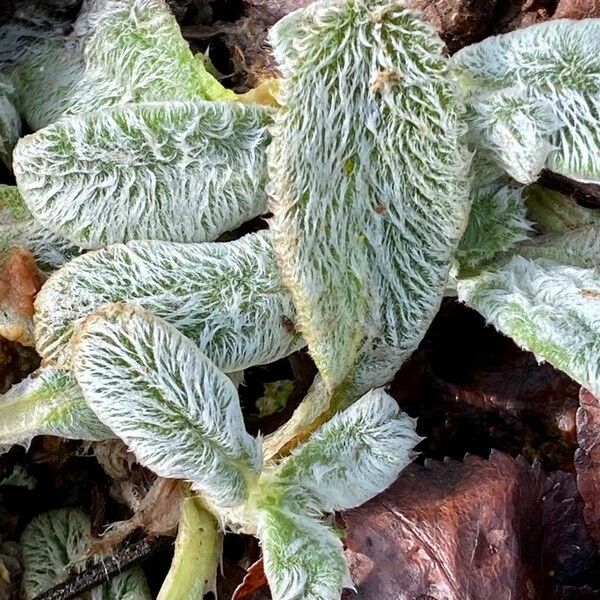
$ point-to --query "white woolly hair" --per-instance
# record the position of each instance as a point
(579, 248)
(302, 557)
(48, 402)
(52, 542)
(353, 457)
(167, 401)
(369, 181)
(553, 212)
(177, 171)
(548, 308)
(226, 297)
(556, 67)
(498, 219)
(18, 229)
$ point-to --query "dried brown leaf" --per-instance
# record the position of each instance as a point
(476, 530)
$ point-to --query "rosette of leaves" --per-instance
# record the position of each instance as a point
(534, 97)
(177, 171)
(55, 543)
(181, 416)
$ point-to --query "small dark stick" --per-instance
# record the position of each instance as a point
(106, 568)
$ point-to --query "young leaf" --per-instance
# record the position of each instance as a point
(553, 212)
(498, 221)
(353, 457)
(18, 229)
(369, 181)
(48, 402)
(226, 297)
(302, 557)
(514, 129)
(193, 571)
(138, 44)
(548, 308)
(10, 123)
(177, 171)
(52, 542)
(167, 401)
(552, 68)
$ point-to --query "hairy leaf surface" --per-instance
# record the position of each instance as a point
(302, 557)
(121, 51)
(138, 44)
(369, 181)
(353, 457)
(177, 171)
(53, 541)
(498, 221)
(548, 308)
(226, 297)
(580, 247)
(167, 401)
(48, 402)
(553, 212)
(548, 69)
(18, 229)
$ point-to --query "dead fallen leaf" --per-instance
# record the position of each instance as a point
(254, 581)
(157, 514)
(474, 530)
(587, 460)
(486, 393)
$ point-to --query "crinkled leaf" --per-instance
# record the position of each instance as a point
(18, 229)
(498, 221)
(122, 51)
(53, 541)
(580, 247)
(193, 571)
(10, 123)
(226, 297)
(353, 457)
(514, 129)
(548, 69)
(138, 44)
(177, 171)
(48, 402)
(302, 557)
(167, 401)
(369, 181)
(553, 212)
(548, 308)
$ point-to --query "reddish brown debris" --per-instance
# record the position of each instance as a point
(20, 281)
(587, 460)
(254, 581)
(476, 530)
(577, 9)
(460, 22)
